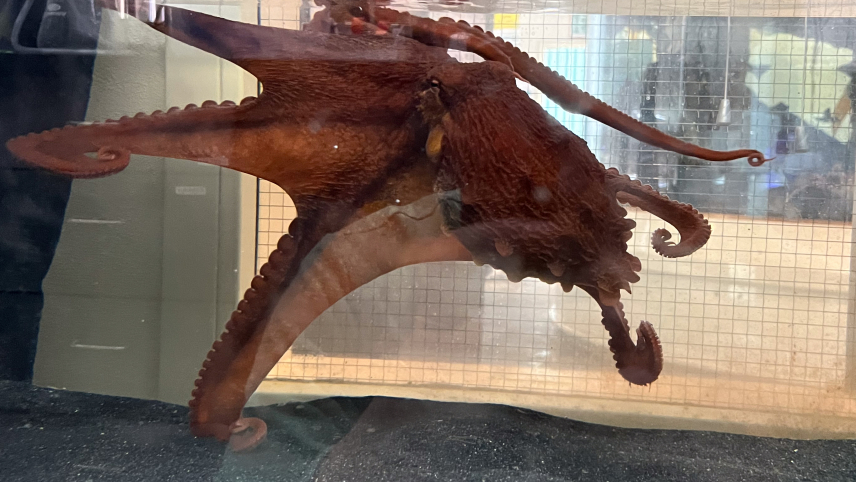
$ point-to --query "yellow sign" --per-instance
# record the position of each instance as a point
(504, 21)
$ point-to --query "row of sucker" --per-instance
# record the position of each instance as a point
(160, 115)
(625, 355)
(243, 322)
(694, 228)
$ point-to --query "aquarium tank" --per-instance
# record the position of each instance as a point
(427, 240)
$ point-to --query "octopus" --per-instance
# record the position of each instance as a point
(392, 149)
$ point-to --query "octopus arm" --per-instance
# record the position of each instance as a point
(104, 148)
(247, 137)
(268, 321)
(639, 363)
(693, 227)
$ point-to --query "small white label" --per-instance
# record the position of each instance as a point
(190, 190)
(94, 221)
(75, 344)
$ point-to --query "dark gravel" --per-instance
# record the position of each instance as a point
(397, 440)
(54, 435)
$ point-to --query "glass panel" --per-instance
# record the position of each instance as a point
(756, 320)
(186, 272)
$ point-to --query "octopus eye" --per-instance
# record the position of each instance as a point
(435, 83)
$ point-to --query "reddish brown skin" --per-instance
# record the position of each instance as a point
(556, 218)
(519, 191)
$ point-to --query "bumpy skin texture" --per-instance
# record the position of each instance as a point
(394, 154)
(556, 217)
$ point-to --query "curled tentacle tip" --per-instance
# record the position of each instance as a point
(247, 434)
(757, 159)
(669, 249)
(660, 241)
(642, 366)
(662, 234)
